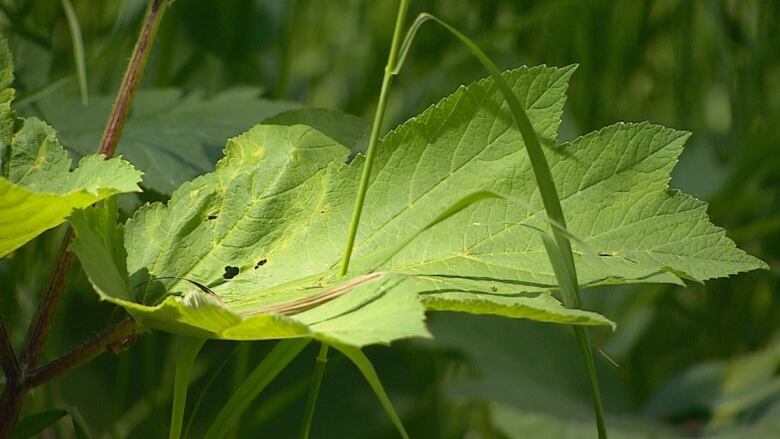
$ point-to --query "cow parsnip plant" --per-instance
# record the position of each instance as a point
(454, 220)
(277, 207)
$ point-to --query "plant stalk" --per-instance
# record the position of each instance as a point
(10, 406)
(114, 339)
(587, 355)
(8, 359)
(13, 396)
(392, 59)
(47, 308)
(13, 382)
(133, 74)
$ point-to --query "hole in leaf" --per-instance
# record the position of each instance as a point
(211, 217)
(230, 272)
(260, 263)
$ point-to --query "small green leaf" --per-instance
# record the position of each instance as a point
(37, 189)
(242, 308)
(35, 423)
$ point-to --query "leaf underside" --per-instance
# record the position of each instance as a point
(277, 207)
(37, 189)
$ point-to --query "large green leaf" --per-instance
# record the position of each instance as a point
(171, 136)
(350, 318)
(275, 212)
(37, 189)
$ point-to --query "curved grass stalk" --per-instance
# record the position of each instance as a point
(559, 248)
(78, 49)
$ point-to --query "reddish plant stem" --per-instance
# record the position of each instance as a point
(114, 339)
(47, 308)
(124, 98)
(8, 358)
(13, 394)
(9, 410)
(10, 407)
(46, 311)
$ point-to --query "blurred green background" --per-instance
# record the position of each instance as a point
(701, 361)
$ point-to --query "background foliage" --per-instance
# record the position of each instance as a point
(701, 360)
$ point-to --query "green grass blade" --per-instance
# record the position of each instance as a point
(367, 369)
(276, 360)
(188, 351)
(562, 259)
(205, 392)
(78, 48)
(587, 355)
(314, 391)
(80, 426)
